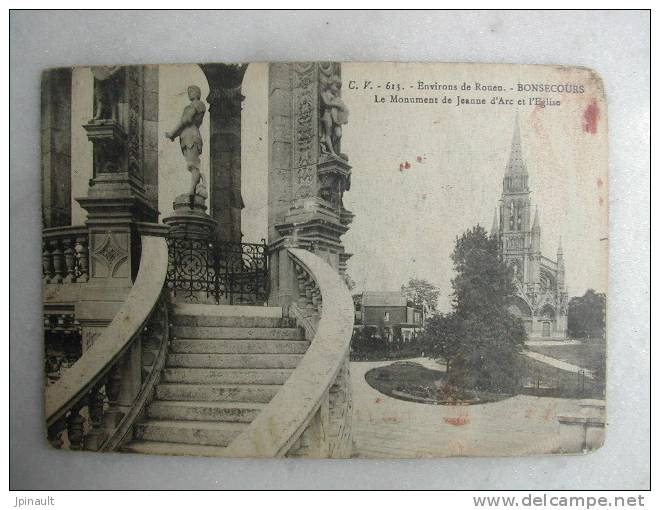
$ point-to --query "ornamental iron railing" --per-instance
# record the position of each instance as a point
(201, 268)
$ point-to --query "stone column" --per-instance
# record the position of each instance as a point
(116, 200)
(224, 101)
(150, 133)
(308, 173)
(56, 147)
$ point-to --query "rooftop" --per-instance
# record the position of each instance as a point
(384, 299)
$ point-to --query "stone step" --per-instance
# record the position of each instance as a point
(231, 333)
(208, 433)
(199, 346)
(232, 321)
(233, 360)
(164, 448)
(218, 392)
(227, 310)
(203, 411)
(226, 375)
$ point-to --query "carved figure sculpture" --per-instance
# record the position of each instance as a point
(107, 90)
(334, 114)
(191, 140)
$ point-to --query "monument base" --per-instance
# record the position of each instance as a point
(191, 222)
(191, 251)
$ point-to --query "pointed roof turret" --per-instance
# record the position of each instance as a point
(536, 232)
(560, 251)
(536, 226)
(495, 229)
(516, 163)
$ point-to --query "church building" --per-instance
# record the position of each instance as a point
(541, 300)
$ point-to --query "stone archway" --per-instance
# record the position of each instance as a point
(548, 320)
(547, 280)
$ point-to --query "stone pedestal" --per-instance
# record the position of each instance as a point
(307, 178)
(114, 251)
(116, 202)
(114, 205)
(191, 234)
(192, 223)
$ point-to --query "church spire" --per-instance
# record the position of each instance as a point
(516, 163)
(515, 177)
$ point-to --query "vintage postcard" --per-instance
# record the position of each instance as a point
(325, 259)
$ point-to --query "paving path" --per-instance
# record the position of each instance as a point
(429, 363)
(387, 427)
(551, 343)
(557, 363)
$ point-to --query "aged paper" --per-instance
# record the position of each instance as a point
(324, 259)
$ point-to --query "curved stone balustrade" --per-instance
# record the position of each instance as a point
(311, 415)
(97, 399)
(65, 255)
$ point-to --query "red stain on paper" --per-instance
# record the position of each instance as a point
(599, 182)
(549, 414)
(406, 165)
(601, 200)
(591, 116)
(456, 420)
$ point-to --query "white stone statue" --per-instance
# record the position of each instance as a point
(191, 141)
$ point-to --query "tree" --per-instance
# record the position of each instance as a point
(480, 339)
(586, 315)
(441, 336)
(422, 293)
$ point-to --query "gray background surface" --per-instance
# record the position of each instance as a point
(616, 44)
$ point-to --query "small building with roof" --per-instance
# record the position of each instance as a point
(391, 313)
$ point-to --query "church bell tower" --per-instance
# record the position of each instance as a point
(515, 226)
(541, 300)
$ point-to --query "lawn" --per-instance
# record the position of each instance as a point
(411, 381)
(541, 379)
(590, 354)
(406, 380)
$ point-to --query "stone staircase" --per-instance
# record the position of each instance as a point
(225, 363)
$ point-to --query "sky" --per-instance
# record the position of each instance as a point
(406, 222)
